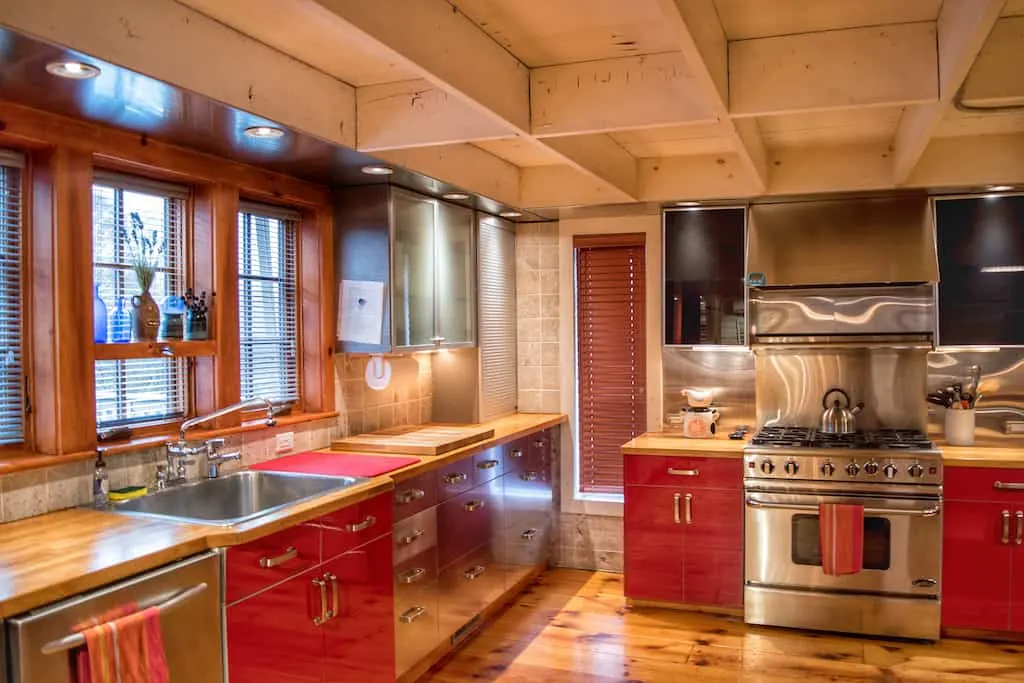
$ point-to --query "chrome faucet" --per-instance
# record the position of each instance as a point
(179, 453)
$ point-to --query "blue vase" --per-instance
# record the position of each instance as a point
(99, 317)
(121, 323)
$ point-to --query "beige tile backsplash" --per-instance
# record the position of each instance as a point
(537, 311)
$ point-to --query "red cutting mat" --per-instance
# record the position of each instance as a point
(336, 464)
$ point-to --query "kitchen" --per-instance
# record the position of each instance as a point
(425, 267)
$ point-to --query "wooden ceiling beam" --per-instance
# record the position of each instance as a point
(462, 165)
(963, 26)
(705, 49)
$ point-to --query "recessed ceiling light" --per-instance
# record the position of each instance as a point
(455, 196)
(687, 203)
(78, 71)
(1000, 188)
(510, 214)
(377, 170)
(263, 132)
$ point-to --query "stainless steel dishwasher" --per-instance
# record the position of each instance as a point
(188, 594)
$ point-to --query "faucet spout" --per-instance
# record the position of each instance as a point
(250, 404)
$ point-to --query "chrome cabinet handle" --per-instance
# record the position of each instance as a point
(289, 554)
(528, 535)
(1020, 527)
(413, 575)
(530, 476)
(455, 478)
(487, 464)
(473, 505)
(516, 453)
(474, 573)
(1009, 486)
(411, 538)
(406, 497)
(361, 526)
(689, 508)
(322, 585)
(333, 612)
(675, 508)
(683, 473)
(540, 443)
(412, 614)
(1006, 527)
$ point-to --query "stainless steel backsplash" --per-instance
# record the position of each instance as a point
(729, 373)
(1002, 389)
(892, 384)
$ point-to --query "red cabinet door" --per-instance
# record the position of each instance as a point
(713, 547)
(359, 640)
(653, 543)
(1017, 588)
(271, 636)
(976, 565)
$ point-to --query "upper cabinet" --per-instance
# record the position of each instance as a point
(705, 294)
(981, 270)
(406, 268)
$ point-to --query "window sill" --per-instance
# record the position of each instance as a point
(20, 460)
(164, 349)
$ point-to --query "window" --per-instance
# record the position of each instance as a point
(128, 215)
(267, 306)
(611, 355)
(12, 400)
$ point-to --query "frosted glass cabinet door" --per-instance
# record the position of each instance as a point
(412, 304)
(456, 274)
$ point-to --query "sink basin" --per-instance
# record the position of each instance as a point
(234, 498)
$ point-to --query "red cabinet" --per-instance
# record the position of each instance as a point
(684, 530)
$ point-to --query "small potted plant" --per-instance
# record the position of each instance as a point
(145, 252)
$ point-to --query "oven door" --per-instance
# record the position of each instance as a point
(902, 544)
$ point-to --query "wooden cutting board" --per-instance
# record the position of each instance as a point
(419, 440)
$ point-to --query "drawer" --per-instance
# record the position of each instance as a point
(355, 525)
(489, 464)
(691, 472)
(466, 521)
(527, 498)
(416, 613)
(468, 587)
(253, 566)
(983, 484)
(414, 535)
(415, 495)
(521, 550)
(455, 478)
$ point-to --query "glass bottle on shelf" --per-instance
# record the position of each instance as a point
(99, 317)
(121, 323)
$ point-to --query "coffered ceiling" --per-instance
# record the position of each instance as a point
(548, 103)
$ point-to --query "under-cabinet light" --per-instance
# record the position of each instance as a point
(77, 71)
(1002, 269)
(687, 203)
(1000, 188)
(510, 214)
(455, 196)
(263, 132)
(377, 170)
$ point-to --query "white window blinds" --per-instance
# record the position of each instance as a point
(12, 399)
(267, 302)
(497, 319)
(134, 217)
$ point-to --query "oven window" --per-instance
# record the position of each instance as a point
(807, 546)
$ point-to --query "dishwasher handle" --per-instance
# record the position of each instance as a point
(70, 642)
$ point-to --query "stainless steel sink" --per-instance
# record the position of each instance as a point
(234, 498)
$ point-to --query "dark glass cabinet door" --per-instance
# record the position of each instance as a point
(981, 270)
(704, 288)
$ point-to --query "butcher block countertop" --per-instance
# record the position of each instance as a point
(981, 456)
(48, 558)
(668, 443)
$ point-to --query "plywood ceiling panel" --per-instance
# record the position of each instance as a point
(743, 19)
(548, 32)
(307, 31)
(519, 152)
(840, 127)
(673, 141)
(959, 124)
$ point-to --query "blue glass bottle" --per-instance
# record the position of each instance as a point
(99, 317)
(121, 323)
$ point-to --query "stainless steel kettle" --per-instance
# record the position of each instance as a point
(836, 418)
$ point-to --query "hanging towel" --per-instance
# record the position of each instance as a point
(127, 648)
(841, 535)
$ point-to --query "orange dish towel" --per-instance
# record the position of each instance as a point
(841, 535)
(125, 649)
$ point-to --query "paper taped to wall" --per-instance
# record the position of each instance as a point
(361, 311)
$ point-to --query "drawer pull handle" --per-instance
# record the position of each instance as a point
(412, 576)
(361, 526)
(1020, 527)
(473, 505)
(411, 538)
(289, 554)
(333, 612)
(683, 473)
(322, 617)
(1009, 486)
(1006, 527)
(412, 614)
(530, 476)
(406, 497)
(528, 535)
(455, 478)
(474, 573)
(487, 464)
(516, 453)
(540, 443)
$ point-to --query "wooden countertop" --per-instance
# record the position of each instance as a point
(668, 443)
(47, 558)
(981, 456)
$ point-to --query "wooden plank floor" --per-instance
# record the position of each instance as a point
(575, 626)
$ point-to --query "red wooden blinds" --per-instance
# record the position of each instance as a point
(612, 375)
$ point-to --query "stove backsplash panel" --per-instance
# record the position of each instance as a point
(790, 384)
(1002, 389)
(727, 372)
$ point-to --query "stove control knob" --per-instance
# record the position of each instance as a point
(852, 469)
(767, 466)
(791, 467)
(889, 471)
(915, 470)
(828, 469)
(871, 467)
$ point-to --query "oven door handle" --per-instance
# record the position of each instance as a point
(804, 507)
